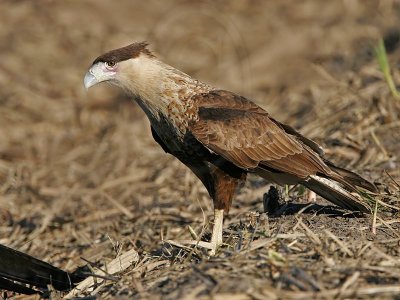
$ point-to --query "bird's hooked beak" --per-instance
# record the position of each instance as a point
(89, 80)
(97, 73)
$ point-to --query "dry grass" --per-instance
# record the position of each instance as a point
(80, 176)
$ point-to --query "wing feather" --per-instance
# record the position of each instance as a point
(243, 133)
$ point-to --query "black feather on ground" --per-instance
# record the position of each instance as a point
(18, 267)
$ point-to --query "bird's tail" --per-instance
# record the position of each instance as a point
(331, 190)
(352, 178)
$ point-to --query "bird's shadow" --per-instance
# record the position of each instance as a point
(288, 209)
(275, 207)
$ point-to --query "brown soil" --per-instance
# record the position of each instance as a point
(81, 177)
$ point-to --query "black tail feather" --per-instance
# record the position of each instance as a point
(331, 191)
(353, 178)
(23, 268)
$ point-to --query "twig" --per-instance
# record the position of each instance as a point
(371, 291)
(339, 242)
(381, 55)
(379, 144)
(374, 218)
(118, 205)
(117, 265)
(349, 282)
(388, 226)
(391, 177)
(311, 234)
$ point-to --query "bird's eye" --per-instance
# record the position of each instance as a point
(110, 64)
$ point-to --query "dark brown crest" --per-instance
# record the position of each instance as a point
(124, 53)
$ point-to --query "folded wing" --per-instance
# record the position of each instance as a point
(244, 134)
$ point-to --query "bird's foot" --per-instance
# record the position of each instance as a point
(216, 238)
(212, 247)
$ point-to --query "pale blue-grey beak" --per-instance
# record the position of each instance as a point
(89, 80)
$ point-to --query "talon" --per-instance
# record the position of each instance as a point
(216, 238)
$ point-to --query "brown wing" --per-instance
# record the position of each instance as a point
(243, 133)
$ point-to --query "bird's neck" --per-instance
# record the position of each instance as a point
(162, 90)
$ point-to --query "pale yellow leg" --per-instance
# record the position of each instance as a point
(312, 196)
(216, 238)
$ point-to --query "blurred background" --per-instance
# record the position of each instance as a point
(79, 172)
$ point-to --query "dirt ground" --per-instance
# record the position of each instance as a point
(81, 179)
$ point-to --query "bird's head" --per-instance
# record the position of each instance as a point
(130, 67)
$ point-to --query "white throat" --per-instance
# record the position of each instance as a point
(156, 84)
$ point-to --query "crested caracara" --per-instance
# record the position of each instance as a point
(222, 136)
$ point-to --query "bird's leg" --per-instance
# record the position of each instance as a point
(312, 196)
(221, 185)
(224, 189)
(216, 238)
